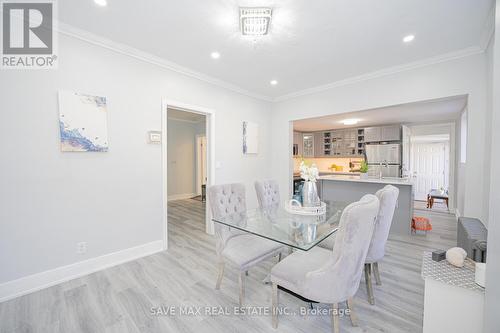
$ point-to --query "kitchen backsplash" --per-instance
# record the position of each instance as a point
(324, 163)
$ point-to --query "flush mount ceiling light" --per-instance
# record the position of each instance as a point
(101, 3)
(215, 55)
(408, 38)
(254, 21)
(273, 82)
(350, 121)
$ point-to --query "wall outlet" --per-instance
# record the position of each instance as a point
(81, 248)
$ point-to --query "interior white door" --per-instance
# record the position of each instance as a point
(429, 168)
(201, 162)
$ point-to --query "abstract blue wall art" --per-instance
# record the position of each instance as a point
(83, 122)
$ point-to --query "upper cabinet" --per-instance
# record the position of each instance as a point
(318, 145)
(373, 134)
(308, 144)
(298, 144)
(391, 133)
(346, 142)
(383, 133)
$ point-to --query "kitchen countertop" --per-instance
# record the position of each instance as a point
(329, 173)
(344, 173)
(347, 178)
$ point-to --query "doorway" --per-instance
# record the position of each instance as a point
(430, 165)
(201, 165)
(183, 127)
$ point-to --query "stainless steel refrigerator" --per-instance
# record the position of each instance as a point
(384, 159)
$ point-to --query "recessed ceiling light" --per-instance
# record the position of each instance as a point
(215, 55)
(254, 21)
(350, 121)
(408, 38)
(273, 82)
(101, 3)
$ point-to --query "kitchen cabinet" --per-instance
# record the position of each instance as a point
(298, 144)
(318, 144)
(383, 133)
(308, 144)
(391, 133)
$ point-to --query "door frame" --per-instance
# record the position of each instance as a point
(210, 134)
(199, 162)
(446, 164)
(451, 130)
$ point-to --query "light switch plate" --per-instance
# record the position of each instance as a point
(154, 137)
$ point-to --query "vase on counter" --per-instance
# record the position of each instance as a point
(310, 196)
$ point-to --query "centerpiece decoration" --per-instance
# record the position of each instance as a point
(310, 174)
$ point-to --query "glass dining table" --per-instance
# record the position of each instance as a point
(302, 232)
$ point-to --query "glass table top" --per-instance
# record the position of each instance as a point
(298, 231)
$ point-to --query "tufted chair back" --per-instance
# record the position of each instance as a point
(388, 197)
(268, 193)
(339, 277)
(224, 200)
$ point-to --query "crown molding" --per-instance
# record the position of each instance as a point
(384, 72)
(124, 49)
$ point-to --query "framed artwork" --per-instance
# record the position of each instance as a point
(83, 122)
(250, 137)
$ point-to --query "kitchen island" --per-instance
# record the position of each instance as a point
(352, 188)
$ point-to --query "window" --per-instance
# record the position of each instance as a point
(463, 137)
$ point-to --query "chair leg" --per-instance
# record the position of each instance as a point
(220, 275)
(246, 273)
(335, 318)
(279, 257)
(376, 273)
(241, 283)
(274, 306)
(368, 281)
(352, 314)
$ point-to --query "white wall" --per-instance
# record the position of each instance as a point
(50, 200)
(463, 76)
(492, 305)
(181, 145)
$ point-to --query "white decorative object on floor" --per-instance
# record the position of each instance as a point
(480, 275)
(250, 137)
(294, 207)
(82, 122)
(456, 256)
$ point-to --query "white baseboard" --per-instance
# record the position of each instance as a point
(182, 196)
(38, 281)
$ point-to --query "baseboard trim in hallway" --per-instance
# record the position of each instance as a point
(42, 280)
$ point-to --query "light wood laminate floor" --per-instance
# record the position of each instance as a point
(119, 299)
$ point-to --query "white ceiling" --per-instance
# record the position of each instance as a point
(185, 116)
(311, 43)
(433, 111)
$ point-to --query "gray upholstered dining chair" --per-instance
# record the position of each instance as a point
(388, 197)
(236, 247)
(328, 276)
(268, 193)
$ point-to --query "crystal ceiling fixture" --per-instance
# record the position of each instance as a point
(255, 21)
